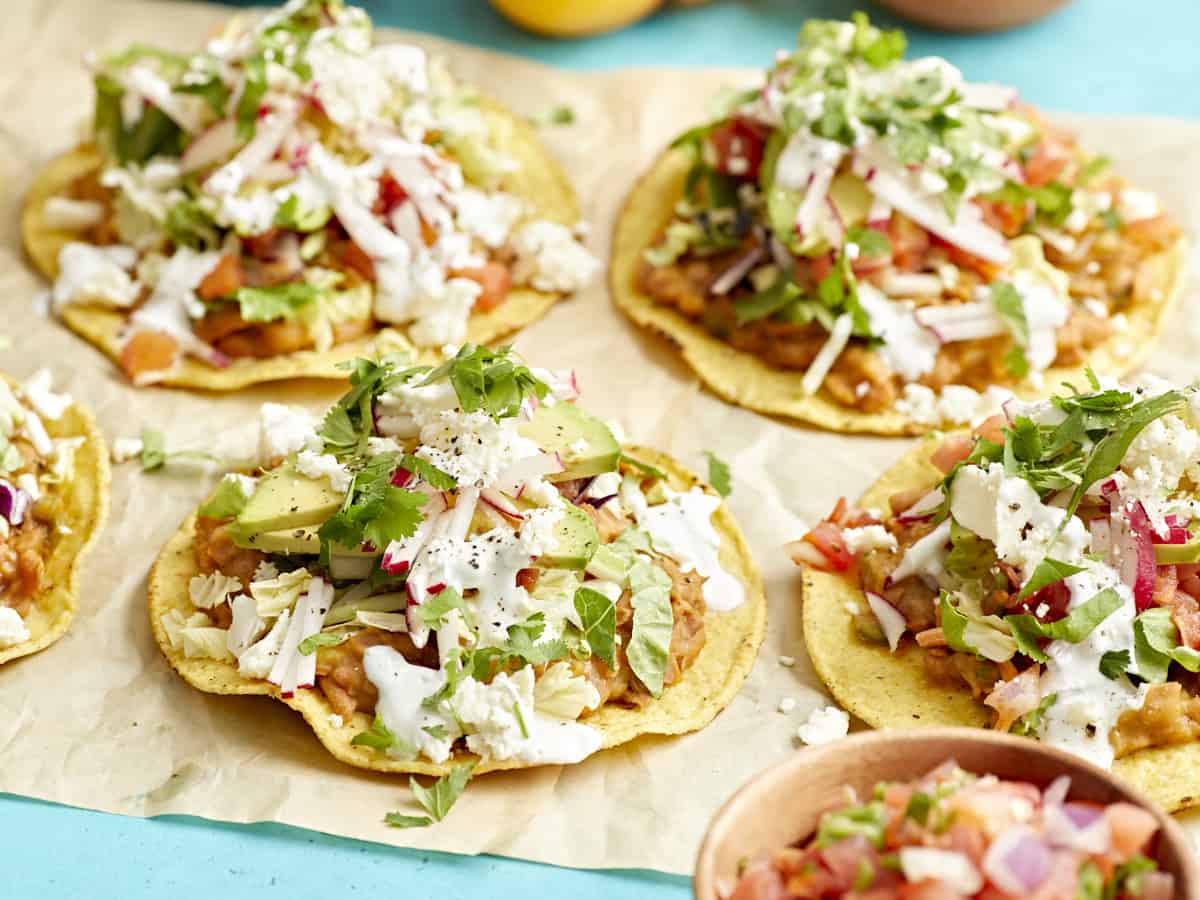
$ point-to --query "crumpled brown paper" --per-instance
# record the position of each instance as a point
(100, 721)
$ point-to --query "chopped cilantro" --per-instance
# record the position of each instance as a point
(436, 800)
(437, 732)
(767, 302)
(374, 510)
(1009, 306)
(520, 719)
(155, 455)
(252, 94)
(435, 610)
(428, 472)
(1114, 663)
(1127, 880)
(718, 474)
(1030, 724)
(377, 737)
(645, 468)
(494, 381)
(189, 225)
(870, 241)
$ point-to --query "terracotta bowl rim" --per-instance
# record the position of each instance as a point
(706, 878)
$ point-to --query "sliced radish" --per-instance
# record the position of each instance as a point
(458, 519)
(501, 503)
(910, 284)
(515, 477)
(890, 619)
(828, 354)
(1135, 551)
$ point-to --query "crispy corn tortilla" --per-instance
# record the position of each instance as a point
(888, 690)
(539, 180)
(707, 687)
(84, 509)
(744, 379)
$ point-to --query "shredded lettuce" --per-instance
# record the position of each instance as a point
(653, 620)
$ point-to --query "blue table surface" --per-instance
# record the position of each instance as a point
(1094, 56)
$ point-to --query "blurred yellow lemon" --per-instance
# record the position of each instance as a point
(569, 18)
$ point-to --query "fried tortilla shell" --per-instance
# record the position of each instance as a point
(707, 686)
(743, 378)
(888, 690)
(539, 180)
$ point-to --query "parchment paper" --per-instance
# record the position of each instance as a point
(100, 721)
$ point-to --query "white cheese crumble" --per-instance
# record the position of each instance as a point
(12, 627)
(824, 725)
(550, 259)
(867, 538)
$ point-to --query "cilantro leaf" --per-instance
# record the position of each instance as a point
(338, 430)
(428, 472)
(718, 474)
(1108, 452)
(401, 820)
(598, 615)
(377, 737)
(226, 501)
(765, 303)
(251, 99)
(283, 301)
(523, 642)
(870, 241)
(1009, 306)
(1114, 663)
(437, 732)
(444, 793)
(1030, 724)
(494, 381)
(213, 91)
(1048, 572)
(374, 510)
(433, 612)
(154, 450)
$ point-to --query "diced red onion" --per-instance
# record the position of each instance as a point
(1017, 862)
(1056, 793)
(14, 502)
(960, 322)
(890, 619)
(1157, 886)
(731, 277)
(780, 254)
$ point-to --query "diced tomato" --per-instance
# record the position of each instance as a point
(1131, 828)
(223, 280)
(992, 428)
(148, 351)
(760, 881)
(391, 195)
(1189, 578)
(910, 243)
(1166, 580)
(495, 280)
(827, 538)
(353, 257)
(1007, 218)
(1158, 230)
(952, 451)
(1185, 613)
(987, 271)
(262, 246)
(844, 857)
(738, 139)
(1056, 597)
(220, 324)
(820, 266)
(1045, 164)
(929, 889)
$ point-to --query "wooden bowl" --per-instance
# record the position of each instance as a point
(783, 804)
(973, 15)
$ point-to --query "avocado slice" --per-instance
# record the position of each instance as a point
(300, 541)
(852, 198)
(582, 441)
(577, 541)
(284, 499)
